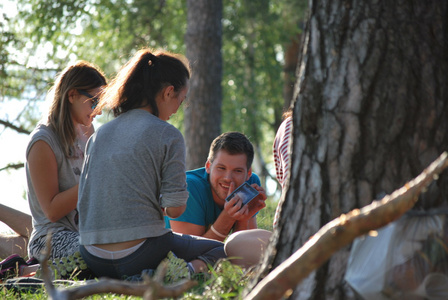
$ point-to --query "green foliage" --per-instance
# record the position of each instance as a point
(21, 77)
(7, 39)
(255, 34)
(104, 32)
(122, 27)
(11, 73)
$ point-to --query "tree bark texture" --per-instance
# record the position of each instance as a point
(203, 109)
(370, 113)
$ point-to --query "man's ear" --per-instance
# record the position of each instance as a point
(71, 95)
(207, 166)
(249, 173)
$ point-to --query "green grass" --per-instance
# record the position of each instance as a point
(227, 281)
(265, 217)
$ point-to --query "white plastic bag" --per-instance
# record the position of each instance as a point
(367, 264)
(408, 259)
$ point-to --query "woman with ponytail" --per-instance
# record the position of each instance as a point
(134, 174)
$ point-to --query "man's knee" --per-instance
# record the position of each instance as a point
(246, 247)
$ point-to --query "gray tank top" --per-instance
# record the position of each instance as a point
(69, 171)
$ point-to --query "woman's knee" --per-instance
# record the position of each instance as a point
(13, 244)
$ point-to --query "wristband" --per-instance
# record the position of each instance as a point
(217, 233)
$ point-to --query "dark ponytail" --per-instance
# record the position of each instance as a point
(140, 80)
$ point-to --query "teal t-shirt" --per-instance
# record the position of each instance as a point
(201, 209)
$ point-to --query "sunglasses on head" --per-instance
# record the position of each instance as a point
(94, 99)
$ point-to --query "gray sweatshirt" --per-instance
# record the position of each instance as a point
(134, 165)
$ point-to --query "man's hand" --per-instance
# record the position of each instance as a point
(235, 209)
(254, 206)
(258, 203)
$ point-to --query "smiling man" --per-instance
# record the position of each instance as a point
(208, 214)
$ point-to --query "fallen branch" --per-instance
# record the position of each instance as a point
(342, 231)
(151, 288)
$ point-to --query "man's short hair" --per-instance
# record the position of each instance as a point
(233, 143)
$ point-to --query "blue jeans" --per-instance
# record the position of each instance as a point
(153, 251)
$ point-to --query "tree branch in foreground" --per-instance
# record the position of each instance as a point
(14, 127)
(13, 166)
(151, 288)
(342, 231)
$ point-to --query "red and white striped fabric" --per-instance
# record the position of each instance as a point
(282, 157)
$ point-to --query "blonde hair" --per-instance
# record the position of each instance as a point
(81, 75)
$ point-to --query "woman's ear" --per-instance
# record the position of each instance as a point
(71, 95)
(168, 92)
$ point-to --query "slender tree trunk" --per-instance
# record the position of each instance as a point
(370, 113)
(203, 109)
(289, 70)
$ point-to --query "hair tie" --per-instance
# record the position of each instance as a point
(151, 60)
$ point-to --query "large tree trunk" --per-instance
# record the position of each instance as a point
(203, 110)
(370, 114)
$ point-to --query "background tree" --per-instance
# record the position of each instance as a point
(257, 38)
(369, 115)
(203, 112)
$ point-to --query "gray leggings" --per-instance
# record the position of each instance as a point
(153, 251)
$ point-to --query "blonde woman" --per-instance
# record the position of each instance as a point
(54, 159)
